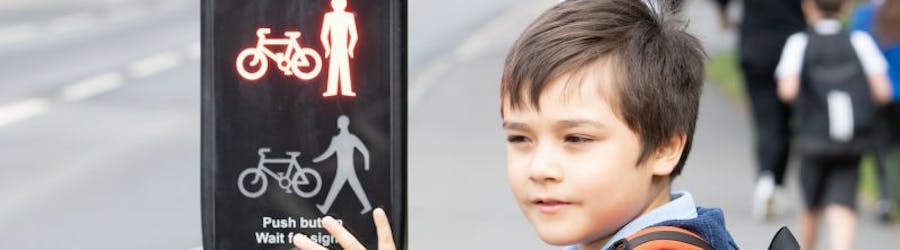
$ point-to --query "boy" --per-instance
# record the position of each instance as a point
(834, 78)
(599, 101)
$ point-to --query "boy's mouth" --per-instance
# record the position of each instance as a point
(550, 206)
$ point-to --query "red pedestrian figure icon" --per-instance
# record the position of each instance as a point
(339, 37)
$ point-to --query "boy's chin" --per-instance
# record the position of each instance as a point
(558, 235)
(569, 231)
(559, 242)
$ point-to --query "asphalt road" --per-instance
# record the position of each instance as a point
(99, 125)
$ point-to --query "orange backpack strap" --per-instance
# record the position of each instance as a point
(662, 237)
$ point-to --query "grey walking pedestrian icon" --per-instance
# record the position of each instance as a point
(344, 145)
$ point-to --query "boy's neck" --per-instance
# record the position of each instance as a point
(827, 26)
(815, 19)
(661, 190)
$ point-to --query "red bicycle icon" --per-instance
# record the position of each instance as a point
(305, 63)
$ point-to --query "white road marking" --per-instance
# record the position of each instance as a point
(99, 84)
(71, 22)
(22, 110)
(154, 64)
(91, 87)
(18, 33)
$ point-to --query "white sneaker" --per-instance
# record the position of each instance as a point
(763, 197)
(782, 201)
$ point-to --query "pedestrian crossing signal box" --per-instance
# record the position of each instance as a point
(303, 116)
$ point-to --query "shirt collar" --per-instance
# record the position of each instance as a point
(828, 26)
(680, 207)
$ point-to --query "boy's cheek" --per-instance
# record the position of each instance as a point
(514, 175)
(517, 177)
(516, 166)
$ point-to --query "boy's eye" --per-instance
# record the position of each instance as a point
(516, 139)
(577, 139)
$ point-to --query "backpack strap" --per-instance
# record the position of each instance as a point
(662, 237)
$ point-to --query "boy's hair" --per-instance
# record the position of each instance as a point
(829, 8)
(659, 68)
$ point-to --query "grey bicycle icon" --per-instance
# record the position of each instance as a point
(305, 182)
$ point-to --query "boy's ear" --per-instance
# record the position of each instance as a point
(668, 154)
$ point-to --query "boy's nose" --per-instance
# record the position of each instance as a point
(544, 167)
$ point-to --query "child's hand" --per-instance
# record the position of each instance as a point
(347, 240)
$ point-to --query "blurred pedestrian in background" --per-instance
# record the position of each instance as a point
(834, 79)
(764, 27)
(880, 19)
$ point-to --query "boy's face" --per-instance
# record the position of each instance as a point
(572, 165)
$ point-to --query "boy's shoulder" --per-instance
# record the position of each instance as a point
(682, 212)
(709, 225)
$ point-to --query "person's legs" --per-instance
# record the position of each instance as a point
(892, 118)
(841, 226)
(891, 115)
(885, 205)
(772, 133)
(770, 118)
(812, 187)
(840, 196)
(809, 224)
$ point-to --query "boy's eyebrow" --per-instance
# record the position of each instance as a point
(515, 125)
(579, 123)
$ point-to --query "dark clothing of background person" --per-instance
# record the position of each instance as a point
(763, 29)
